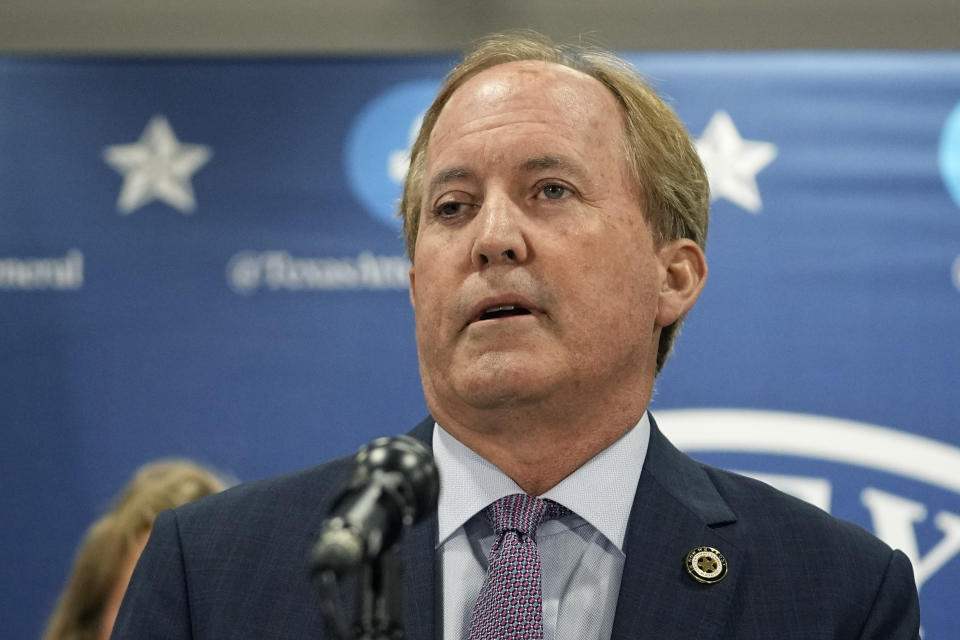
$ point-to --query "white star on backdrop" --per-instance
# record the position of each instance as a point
(157, 167)
(732, 163)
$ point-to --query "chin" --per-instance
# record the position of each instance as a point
(502, 387)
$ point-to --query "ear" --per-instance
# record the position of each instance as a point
(683, 272)
(413, 295)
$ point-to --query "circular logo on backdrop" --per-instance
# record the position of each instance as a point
(377, 153)
(950, 154)
(812, 436)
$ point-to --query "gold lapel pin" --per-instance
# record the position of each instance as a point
(706, 565)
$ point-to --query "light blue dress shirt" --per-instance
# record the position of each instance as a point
(581, 554)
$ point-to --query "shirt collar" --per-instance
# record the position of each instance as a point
(601, 491)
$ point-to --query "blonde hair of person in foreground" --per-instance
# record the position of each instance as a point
(88, 604)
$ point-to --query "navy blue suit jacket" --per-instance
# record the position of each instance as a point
(234, 565)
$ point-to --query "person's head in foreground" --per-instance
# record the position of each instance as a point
(111, 546)
(555, 213)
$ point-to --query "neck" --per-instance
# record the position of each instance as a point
(538, 446)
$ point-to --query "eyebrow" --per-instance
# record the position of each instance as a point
(544, 162)
(539, 163)
(447, 176)
(530, 165)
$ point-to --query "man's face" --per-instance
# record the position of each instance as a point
(535, 274)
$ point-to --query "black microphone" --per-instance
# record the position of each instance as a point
(394, 484)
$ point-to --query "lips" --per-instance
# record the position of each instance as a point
(498, 309)
(503, 311)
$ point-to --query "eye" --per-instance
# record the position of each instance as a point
(554, 191)
(453, 206)
(448, 209)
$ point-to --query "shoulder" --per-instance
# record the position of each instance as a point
(811, 561)
(782, 544)
(282, 503)
(763, 512)
(216, 566)
(285, 503)
(790, 541)
(753, 513)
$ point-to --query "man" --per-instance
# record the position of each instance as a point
(555, 214)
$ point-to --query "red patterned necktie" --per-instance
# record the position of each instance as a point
(510, 604)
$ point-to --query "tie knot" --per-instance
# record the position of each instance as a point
(522, 513)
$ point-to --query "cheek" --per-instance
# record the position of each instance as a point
(619, 281)
(428, 313)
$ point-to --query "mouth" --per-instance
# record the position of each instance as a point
(503, 311)
(498, 310)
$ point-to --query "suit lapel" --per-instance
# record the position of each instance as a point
(419, 597)
(419, 558)
(676, 509)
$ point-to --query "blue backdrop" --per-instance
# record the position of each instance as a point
(198, 257)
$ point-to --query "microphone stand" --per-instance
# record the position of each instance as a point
(379, 600)
(379, 615)
(394, 482)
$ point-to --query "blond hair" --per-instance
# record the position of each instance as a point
(156, 486)
(672, 183)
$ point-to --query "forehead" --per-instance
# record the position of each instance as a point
(529, 95)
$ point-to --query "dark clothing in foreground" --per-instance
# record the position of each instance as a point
(234, 565)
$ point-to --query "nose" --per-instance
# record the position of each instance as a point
(500, 238)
